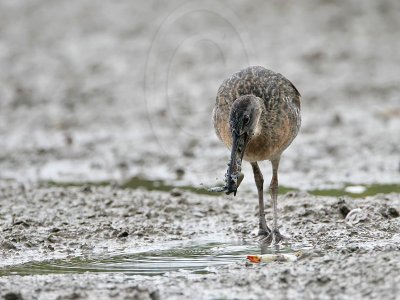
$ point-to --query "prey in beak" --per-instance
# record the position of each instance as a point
(234, 176)
(243, 120)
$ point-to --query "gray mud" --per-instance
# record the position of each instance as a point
(116, 98)
(55, 236)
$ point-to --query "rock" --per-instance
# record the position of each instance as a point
(8, 245)
(175, 192)
(154, 295)
(12, 296)
(356, 216)
(123, 234)
(86, 189)
(344, 210)
(389, 212)
(392, 212)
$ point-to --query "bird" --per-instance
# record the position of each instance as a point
(257, 116)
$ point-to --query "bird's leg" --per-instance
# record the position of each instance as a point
(273, 189)
(258, 177)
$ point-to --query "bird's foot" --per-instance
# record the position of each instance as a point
(277, 237)
(273, 237)
(265, 236)
(264, 232)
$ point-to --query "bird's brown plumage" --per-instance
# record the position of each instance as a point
(257, 116)
(280, 119)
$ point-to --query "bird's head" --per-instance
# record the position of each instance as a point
(243, 120)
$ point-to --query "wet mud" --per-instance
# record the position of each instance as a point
(107, 150)
(125, 242)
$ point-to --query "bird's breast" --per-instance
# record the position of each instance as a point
(259, 148)
(271, 141)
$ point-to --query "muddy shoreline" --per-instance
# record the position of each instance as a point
(77, 107)
(116, 97)
(348, 241)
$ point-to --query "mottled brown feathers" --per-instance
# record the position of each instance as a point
(280, 117)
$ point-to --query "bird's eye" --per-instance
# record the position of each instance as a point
(246, 119)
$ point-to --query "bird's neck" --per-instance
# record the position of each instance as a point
(258, 124)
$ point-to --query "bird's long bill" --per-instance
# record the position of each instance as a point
(238, 147)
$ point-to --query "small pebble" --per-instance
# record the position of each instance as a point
(123, 234)
(12, 296)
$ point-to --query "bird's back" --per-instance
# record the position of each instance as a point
(279, 95)
(265, 84)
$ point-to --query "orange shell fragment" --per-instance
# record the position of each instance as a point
(254, 258)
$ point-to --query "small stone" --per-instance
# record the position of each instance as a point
(182, 201)
(12, 296)
(114, 294)
(8, 245)
(337, 119)
(180, 172)
(139, 233)
(154, 295)
(123, 234)
(86, 189)
(344, 210)
(356, 216)
(52, 239)
(72, 296)
(323, 279)
(170, 209)
(68, 139)
(392, 212)
(175, 192)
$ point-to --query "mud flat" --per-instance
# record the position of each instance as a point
(78, 101)
(116, 97)
(71, 242)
